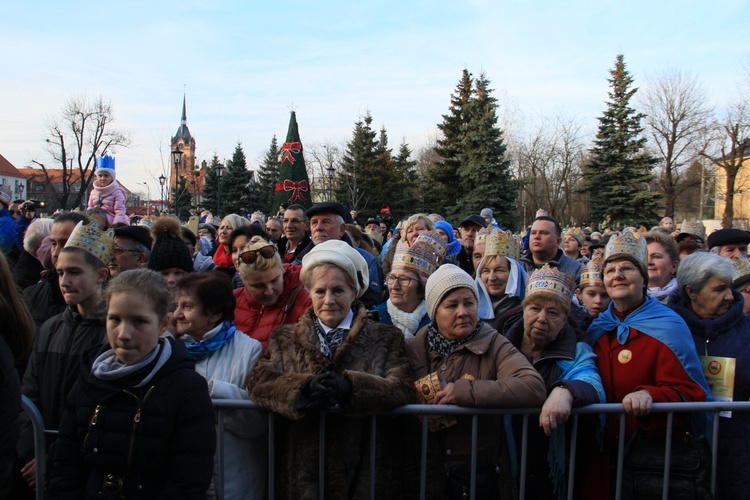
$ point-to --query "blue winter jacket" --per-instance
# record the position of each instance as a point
(7, 232)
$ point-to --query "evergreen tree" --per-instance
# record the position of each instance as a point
(617, 177)
(267, 176)
(183, 201)
(211, 187)
(235, 192)
(407, 196)
(484, 172)
(440, 189)
(356, 176)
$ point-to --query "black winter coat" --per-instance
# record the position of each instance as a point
(156, 441)
(54, 366)
(44, 299)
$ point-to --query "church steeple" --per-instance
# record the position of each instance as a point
(183, 132)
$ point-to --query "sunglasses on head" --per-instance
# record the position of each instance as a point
(250, 256)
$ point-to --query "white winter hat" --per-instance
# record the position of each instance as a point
(342, 255)
(447, 278)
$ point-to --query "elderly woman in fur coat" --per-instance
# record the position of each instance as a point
(334, 356)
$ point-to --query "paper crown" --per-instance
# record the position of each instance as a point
(502, 243)
(741, 271)
(694, 227)
(5, 194)
(541, 213)
(482, 234)
(92, 240)
(577, 233)
(423, 257)
(107, 162)
(629, 243)
(592, 274)
(552, 282)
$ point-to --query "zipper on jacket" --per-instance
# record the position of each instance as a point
(136, 421)
(92, 423)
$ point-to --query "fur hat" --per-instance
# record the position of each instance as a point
(106, 164)
(443, 281)
(169, 249)
(5, 195)
(342, 255)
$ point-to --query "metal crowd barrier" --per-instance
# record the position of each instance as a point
(422, 410)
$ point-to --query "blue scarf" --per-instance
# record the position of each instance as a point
(659, 322)
(203, 348)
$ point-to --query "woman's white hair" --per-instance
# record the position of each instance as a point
(697, 268)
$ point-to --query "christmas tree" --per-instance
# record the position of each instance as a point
(293, 185)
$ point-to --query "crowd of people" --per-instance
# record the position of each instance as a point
(123, 334)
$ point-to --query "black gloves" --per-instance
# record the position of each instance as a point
(324, 391)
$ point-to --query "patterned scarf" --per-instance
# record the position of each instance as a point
(330, 341)
(443, 346)
(202, 349)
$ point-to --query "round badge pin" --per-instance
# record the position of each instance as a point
(625, 356)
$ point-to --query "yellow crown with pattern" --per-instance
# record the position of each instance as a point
(592, 274)
(629, 243)
(577, 233)
(741, 271)
(693, 227)
(423, 257)
(90, 239)
(552, 282)
(502, 243)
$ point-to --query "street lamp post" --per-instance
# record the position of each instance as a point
(148, 200)
(330, 170)
(219, 174)
(162, 180)
(176, 160)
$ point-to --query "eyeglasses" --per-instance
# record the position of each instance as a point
(250, 256)
(120, 251)
(294, 221)
(402, 280)
(625, 270)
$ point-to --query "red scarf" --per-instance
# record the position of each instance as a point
(222, 258)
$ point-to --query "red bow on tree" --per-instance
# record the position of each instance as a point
(288, 148)
(297, 188)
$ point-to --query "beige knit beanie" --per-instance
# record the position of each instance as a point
(340, 254)
(447, 278)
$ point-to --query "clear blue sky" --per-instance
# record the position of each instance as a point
(245, 63)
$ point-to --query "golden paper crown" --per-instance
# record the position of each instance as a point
(89, 238)
(592, 274)
(630, 243)
(577, 233)
(741, 271)
(423, 257)
(502, 243)
(551, 281)
(694, 227)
